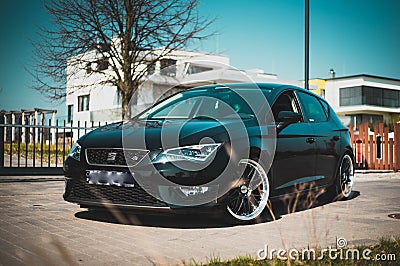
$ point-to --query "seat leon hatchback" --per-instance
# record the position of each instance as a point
(223, 148)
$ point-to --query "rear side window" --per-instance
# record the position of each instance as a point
(325, 106)
(312, 108)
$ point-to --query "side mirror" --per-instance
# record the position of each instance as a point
(286, 118)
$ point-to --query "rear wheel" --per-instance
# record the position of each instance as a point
(248, 200)
(345, 179)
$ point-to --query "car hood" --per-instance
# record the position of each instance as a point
(148, 135)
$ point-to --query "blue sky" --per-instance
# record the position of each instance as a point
(350, 36)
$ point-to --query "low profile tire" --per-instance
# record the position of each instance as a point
(345, 178)
(247, 201)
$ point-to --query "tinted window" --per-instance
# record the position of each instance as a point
(325, 106)
(285, 102)
(312, 108)
(369, 95)
(350, 96)
(219, 103)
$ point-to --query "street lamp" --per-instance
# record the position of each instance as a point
(307, 44)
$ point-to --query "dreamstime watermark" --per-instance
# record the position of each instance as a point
(340, 251)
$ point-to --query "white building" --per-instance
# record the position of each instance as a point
(90, 99)
(364, 98)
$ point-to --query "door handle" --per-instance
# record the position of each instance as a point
(336, 138)
(310, 140)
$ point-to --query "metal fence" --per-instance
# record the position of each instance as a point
(33, 149)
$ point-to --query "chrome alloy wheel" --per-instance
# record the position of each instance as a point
(346, 177)
(247, 201)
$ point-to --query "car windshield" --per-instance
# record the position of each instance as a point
(205, 104)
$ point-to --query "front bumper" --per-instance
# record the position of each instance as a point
(79, 190)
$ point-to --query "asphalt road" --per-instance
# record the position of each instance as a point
(37, 227)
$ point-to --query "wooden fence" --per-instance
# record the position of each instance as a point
(376, 150)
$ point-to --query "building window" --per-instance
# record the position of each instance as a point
(70, 113)
(372, 96)
(391, 98)
(83, 103)
(104, 47)
(369, 96)
(359, 119)
(193, 69)
(102, 64)
(151, 68)
(350, 96)
(322, 93)
(117, 97)
(168, 67)
(89, 68)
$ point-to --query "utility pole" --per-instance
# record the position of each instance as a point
(307, 44)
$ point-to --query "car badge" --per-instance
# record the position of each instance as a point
(111, 156)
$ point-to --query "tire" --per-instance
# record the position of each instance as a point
(345, 178)
(248, 200)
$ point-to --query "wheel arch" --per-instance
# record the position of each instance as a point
(346, 150)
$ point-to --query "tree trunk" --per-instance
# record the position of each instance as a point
(129, 100)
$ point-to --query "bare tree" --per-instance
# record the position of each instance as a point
(122, 34)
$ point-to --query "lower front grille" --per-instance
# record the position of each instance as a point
(82, 191)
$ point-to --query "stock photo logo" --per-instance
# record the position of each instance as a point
(341, 251)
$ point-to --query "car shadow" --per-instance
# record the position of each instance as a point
(290, 205)
(178, 221)
(198, 221)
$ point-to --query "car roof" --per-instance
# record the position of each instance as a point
(239, 85)
(276, 88)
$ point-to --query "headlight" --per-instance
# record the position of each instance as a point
(197, 153)
(75, 151)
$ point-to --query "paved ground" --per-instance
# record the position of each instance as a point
(29, 163)
(37, 227)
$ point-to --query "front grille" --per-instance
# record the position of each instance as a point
(114, 156)
(137, 196)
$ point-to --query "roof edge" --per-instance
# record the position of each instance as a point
(364, 75)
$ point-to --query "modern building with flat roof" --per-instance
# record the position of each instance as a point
(89, 97)
(364, 98)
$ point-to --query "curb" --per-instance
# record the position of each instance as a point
(14, 179)
(374, 171)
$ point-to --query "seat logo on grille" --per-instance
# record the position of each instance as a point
(111, 156)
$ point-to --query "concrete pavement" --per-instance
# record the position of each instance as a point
(37, 227)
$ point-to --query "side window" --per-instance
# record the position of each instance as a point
(326, 107)
(285, 102)
(312, 108)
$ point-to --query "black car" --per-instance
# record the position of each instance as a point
(228, 148)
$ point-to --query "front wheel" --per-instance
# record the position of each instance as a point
(345, 180)
(248, 200)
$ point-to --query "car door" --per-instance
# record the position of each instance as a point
(326, 136)
(295, 156)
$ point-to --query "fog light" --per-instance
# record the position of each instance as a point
(193, 191)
